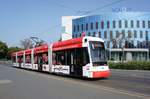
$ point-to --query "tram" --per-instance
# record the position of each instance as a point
(82, 57)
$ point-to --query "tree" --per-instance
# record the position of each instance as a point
(27, 43)
(37, 41)
(11, 50)
(3, 50)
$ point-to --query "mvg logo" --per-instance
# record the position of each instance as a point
(123, 9)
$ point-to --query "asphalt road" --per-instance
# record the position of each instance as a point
(22, 84)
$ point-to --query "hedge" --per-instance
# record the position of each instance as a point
(131, 65)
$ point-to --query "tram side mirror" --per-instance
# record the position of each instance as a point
(85, 40)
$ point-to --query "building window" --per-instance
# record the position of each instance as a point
(102, 25)
(138, 24)
(74, 28)
(94, 34)
(117, 34)
(86, 26)
(146, 35)
(76, 36)
(89, 34)
(82, 27)
(120, 45)
(78, 28)
(114, 24)
(135, 34)
(108, 24)
(131, 44)
(96, 25)
(129, 34)
(141, 34)
(120, 25)
(126, 24)
(111, 35)
(91, 26)
(108, 44)
(105, 34)
(149, 24)
(80, 35)
(143, 24)
(99, 34)
(132, 24)
(138, 44)
(123, 33)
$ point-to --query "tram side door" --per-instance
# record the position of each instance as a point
(76, 68)
(19, 61)
(20, 58)
(40, 62)
(71, 65)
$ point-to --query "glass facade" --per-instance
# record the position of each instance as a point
(119, 30)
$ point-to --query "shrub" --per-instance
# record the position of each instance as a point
(131, 65)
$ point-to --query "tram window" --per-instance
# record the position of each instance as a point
(68, 55)
(28, 58)
(59, 58)
(54, 58)
(79, 56)
(45, 58)
(41, 58)
(20, 59)
(35, 59)
(85, 56)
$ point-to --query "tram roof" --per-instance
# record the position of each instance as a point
(68, 44)
(60, 45)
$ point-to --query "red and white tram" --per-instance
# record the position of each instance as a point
(83, 57)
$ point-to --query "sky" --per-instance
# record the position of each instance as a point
(20, 19)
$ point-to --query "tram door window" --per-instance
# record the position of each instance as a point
(39, 61)
(35, 59)
(20, 60)
(80, 56)
(68, 57)
(39, 58)
(45, 58)
(54, 58)
(28, 58)
(42, 58)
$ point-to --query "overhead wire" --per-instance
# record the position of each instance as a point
(80, 12)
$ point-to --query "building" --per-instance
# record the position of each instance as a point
(126, 34)
(67, 27)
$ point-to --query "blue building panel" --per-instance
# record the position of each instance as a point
(130, 27)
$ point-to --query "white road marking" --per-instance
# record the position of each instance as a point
(5, 81)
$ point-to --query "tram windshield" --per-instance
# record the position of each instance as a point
(98, 53)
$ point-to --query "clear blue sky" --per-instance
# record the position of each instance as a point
(20, 19)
